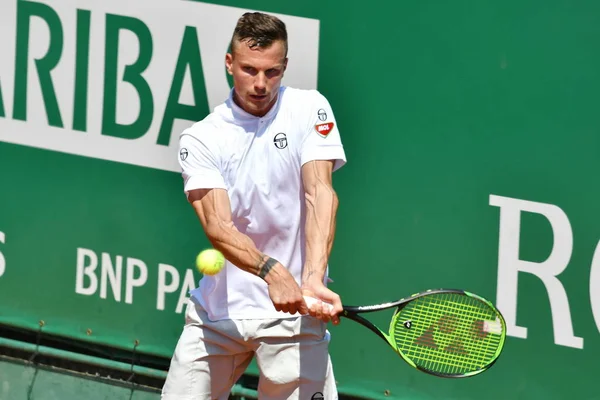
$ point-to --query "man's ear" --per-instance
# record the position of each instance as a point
(229, 63)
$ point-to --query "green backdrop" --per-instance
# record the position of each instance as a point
(440, 105)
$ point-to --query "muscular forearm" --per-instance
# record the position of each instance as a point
(238, 248)
(321, 209)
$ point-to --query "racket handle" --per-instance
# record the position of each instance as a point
(310, 301)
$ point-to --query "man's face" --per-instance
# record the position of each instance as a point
(257, 74)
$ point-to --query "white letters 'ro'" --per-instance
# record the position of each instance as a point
(509, 265)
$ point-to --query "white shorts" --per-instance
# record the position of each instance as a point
(292, 356)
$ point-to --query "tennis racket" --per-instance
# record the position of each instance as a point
(444, 332)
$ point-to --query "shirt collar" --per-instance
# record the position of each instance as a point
(238, 114)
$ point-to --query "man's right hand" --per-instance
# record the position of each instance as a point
(284, 291)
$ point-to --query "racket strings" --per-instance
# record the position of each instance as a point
(446, 333)
(457, 353)
(456, 356)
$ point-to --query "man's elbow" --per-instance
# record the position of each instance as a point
(321, 191)
(215, 230)
(336, 200)
(328, 188)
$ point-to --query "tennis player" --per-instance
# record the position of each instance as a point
(258, 173)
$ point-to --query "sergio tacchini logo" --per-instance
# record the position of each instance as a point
(280, 141)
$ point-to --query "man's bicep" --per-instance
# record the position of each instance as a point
(315, 173)
(212, 207)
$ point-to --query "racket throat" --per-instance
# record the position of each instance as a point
(357, 318)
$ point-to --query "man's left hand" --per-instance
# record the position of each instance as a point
(319, 291)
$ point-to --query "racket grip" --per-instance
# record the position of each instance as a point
(310, 301)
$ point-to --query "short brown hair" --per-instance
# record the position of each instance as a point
(259, 29)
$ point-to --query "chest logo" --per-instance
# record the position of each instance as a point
(280, 141)
(324, 129)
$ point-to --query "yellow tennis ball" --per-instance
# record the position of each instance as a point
(210, 261)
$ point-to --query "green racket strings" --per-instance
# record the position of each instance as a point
(449, 333)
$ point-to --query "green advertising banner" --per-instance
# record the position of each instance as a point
(472, 140)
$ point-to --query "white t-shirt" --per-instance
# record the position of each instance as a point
(258, 161)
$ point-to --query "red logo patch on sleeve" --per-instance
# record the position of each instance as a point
(324, 129)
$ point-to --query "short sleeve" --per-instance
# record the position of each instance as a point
(322, 139)
(199, 161)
